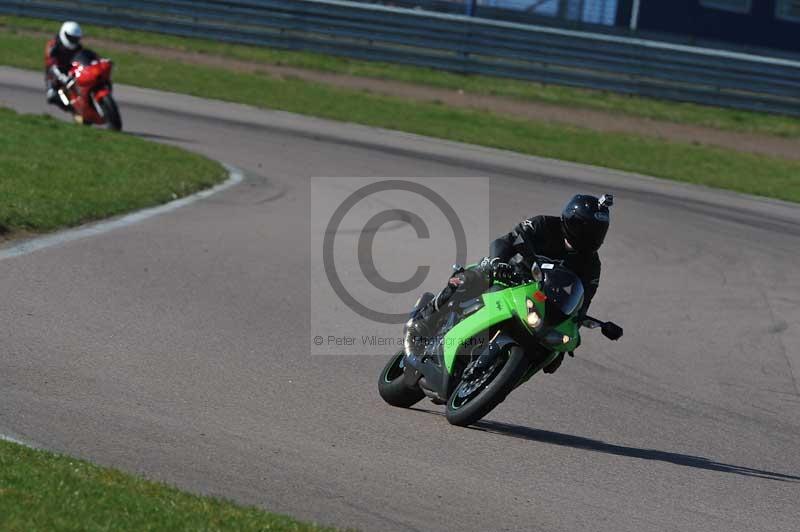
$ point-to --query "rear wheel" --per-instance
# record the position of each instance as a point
(111, 113)
(392, 386)
(479, 392)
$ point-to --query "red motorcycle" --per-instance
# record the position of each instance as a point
(88, 93)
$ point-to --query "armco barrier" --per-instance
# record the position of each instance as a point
(459, 44)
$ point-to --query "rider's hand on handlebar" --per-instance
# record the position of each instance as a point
(494, 270)
(486, 266)
(505, 273)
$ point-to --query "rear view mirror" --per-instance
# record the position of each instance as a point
(612, 331)
(536, 272)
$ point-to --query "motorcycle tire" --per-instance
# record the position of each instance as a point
(111, 113)
(492, 393)
(392, 387)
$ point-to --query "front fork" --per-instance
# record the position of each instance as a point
(503, 339)
(98, 95)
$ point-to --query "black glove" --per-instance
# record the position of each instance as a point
(504, 273)
(486, 265)
(494, 270)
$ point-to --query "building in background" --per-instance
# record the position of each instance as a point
(588, 11)
(741, 24)
(561, 12)
(760, 23)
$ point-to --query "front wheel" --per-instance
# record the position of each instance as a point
(392, 386)
(479, 393)
(111, 113)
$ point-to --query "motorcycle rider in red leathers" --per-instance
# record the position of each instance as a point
(59, 53)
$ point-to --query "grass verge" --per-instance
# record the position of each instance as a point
(716, 167)
(684, 113)
(42, 491)
(56, 174)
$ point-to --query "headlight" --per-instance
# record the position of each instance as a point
(534, 319)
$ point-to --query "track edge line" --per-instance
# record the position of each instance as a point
(235, 176)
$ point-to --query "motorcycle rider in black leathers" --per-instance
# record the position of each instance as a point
(574, 238)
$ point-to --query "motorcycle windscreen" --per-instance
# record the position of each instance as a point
(85, 57)
(564, 291)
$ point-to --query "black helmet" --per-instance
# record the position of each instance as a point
(585, 221)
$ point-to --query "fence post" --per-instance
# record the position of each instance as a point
(635, 15)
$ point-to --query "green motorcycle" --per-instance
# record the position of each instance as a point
(486, 346)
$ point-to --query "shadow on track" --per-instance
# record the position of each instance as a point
(579, 442)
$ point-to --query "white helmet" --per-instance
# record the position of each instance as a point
(70, 35)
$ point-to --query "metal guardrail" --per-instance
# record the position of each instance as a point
(459, 44)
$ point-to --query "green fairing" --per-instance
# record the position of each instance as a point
(495, 310)
(500, 306)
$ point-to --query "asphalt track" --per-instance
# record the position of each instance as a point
(179, 348)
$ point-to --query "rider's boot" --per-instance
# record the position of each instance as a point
(554, 365)
(53, 98)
